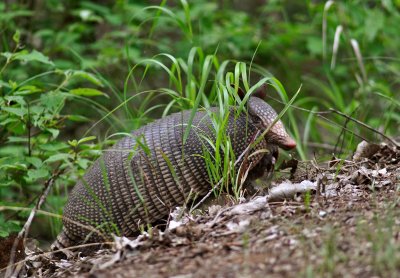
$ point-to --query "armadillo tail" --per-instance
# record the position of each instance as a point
(62, 241)
(60, 246)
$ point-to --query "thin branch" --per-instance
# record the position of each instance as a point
(22, 235)
(29, 127)
(319, 114)
(343, 132)
(366, 126)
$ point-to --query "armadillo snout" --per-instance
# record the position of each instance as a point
(278, 136)
(288, 144)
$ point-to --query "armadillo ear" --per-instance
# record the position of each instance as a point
(241, 93)
(261, 92)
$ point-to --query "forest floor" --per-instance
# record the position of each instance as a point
(348, 227)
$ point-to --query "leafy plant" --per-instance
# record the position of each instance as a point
(31, 120)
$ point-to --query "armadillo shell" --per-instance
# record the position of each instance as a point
(146, 175)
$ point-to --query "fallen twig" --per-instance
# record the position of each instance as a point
(22, 235)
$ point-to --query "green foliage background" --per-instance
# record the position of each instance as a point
(75, 75)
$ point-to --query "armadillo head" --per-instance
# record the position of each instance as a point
(263, 115)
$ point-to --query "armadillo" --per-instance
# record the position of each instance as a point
(144, 176)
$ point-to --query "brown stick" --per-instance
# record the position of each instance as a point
(319, 114)
(22, 235)
(366, 126)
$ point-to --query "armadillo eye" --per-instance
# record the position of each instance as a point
(257, 121)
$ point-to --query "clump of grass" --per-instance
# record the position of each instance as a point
(203, 81)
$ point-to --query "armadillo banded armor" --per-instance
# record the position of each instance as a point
(131, 185)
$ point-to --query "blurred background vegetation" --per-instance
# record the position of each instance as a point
(74, 75)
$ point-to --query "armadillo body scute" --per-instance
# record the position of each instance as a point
(130, 185)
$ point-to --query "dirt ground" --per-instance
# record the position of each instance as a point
(347, 225)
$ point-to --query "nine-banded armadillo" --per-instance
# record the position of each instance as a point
(145, 175)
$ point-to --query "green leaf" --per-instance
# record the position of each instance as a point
(54, 146)
(85, 75)
(83, 163)
(36, 162)
(13, 84)
(36, 174)
(86, 139)
(16, 111)
(92, 153)
(37, 56)
(53, 101)
(27, 90)
(78, 118)
(9, 15)
(8, 226)
(4, 84)
(15, 139)
(73, 143)
(8, 55)
(9, 120)
(12, 150)
(58, 157)
(87, 92)
(54, 132)
(4, 233)
(18, 99)
(16, 166)
(16, 36)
